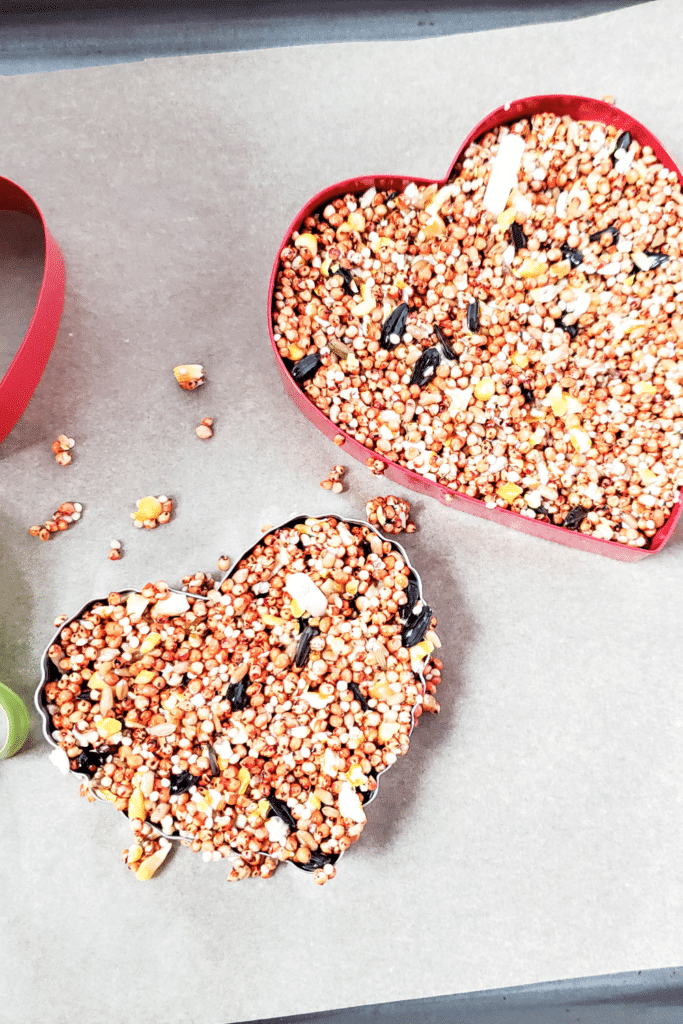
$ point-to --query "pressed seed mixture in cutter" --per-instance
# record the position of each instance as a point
(515, 334)
(252, 716)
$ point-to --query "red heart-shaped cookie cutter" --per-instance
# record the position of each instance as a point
(579, 108)
(26, 369)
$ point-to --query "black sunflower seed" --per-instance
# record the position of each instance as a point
(237, 694)
(575, 256)
(89, 760)
(281, 809)
(518, 236)
(527, 392)
(412, 597)
(85, 695)
(181, 782)
(541, 510)
(414, 631)
(391, 195)
(473, 315)
(303, 647)
(448, 352)
(317, 860)
(623, 143)
(574, 518)
(356, 691)
(365, 546)
(657, 258)
(597, 235)
(213, 763)
(425, 368)
(306, 367)
(571, 329)
(394, 327)
(349, 286)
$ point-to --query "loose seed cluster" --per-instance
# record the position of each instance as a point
(516, 335)
(204, 430)
(334, 481)
(390, 514)
(189, 376)
(61, 448)
(255, 717)
(115, 551)
(152, 512)
(68, 512)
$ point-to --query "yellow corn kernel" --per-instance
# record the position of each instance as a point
(647, 476)
(630, 280)
(580, 440)
(108, 726)
(151, 864)
(508, 492)
(107, 794)
(136, 805)
(244, 779)
(532, 268)
(148, 508)
(558, 400)
(189, 375)
(562, 268)
(536, 437)
(506, 218)
(272, 620)
(151, 641)
(484, 389)
(381, 243)
(144, 677)
(263, 807)
(434, 226)
(381, 690)
(572, 421)
(644, 387)
(351, 587)
(296, 609)
(134, 854)
(223, 763)
(356, 776)
(308, 242)
(426, 645)
(356, 220)
(520, 359)
(295, 352)
(325, 266)
(400, 281)
(387, 730)
(96, 682)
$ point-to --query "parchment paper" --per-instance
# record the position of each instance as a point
(533, 831)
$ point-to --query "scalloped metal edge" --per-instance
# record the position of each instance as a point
(47, 667)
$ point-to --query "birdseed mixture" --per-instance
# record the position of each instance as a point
(252, 716)
(515, 335)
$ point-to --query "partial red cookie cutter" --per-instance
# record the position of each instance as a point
(580, 108)
(26, 369)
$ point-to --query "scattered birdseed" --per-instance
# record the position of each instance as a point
(565, 238)
(68, 512)
(390, 514)
(263, 728)
(61, 448)
(204, 430)
(115, 551)
(376, 465)
(339, 439)
(223, 563)
(189, 376)
(334, 480)
(152, 512)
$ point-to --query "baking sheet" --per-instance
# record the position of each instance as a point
(533, 831)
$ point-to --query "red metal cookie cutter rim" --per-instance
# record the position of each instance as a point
(26, 369)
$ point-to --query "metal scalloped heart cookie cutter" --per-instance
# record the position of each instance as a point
(579, 108)
(26, 368)
(51, 673)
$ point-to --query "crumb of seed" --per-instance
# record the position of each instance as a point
(201, 583)
(266, 527)
(61, 448)
(204, 430)
(517, 333)
(339, 439)
(376, 465)
(60, 620)
(115, 551)
(390, 514)
(68, 512)
(152, 512)
(334, 480)
(609, 99)
(189, 376)
(223, 563)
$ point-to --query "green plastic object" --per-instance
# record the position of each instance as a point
(18, 722)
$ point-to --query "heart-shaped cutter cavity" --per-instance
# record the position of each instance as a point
(579, 108)
(49, 672)
(26, 368)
